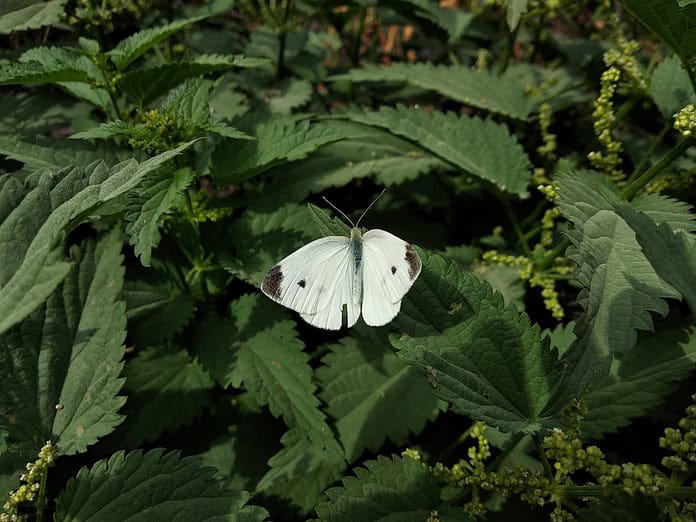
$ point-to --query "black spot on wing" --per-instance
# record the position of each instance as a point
(414, 262)
(301, 283)
(393, 270)
(272, 281)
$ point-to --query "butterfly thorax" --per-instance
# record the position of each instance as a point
(356, 249)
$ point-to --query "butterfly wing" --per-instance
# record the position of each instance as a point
(316, 281)
(390, 266)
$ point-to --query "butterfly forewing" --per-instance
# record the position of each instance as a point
(390, 267)
(316, 281)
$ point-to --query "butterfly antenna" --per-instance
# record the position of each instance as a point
(370, 206)
(339, 211)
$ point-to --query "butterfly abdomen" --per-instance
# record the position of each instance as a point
(356, 250)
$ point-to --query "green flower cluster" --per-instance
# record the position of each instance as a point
(685, 121)
(32, 481)
(682, 442)
(89, 15)
(548, 149)
(159, 131)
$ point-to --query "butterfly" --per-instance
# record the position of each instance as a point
(369, 272)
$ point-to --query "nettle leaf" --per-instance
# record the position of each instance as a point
(30, 14)
(130, 49)
(158, 194)
(619, 286)
(35, 72)
(149, 83)
(61, 365)
(106, 130)
(372, 394)
(678, 215)
(515, 10)
(484, 149)
(674, 24)
(482, 89)
(388, 489)
(36, 217)
(55, 154)
(454, 21)
(481, 356)
(156, 311)
(639, 382)
(155, 485)
(280, 140)
(670, 87)
(290, 94)
(671, 253)
(155, 379)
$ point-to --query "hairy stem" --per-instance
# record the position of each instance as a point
(548, 470)
(646, 157)
(280, 71)
(41, 496)
(633, 188)
(508, 50)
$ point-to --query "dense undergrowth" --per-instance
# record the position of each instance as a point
(157, 158)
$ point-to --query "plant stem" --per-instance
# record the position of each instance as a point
(41, 496)
(280, 71)
(542, 455)
(358, 37)
(508, 50)
(646, 157)
(516, 225)
(633, 188)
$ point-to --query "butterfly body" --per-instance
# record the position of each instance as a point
(336, 275)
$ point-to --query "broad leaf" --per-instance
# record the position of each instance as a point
(35, 72)
(372, 394)
(130, 49)
(155, 379)
(61, 365)
(156, 311)
(499, 94)
(30, 14)
(674, 24)
(482, 148)
(670, 87)
(280, 140)
(152, 486)
(620, 288)
(515, 9)
(393, 488)
(671, 253)
(289, 95)
(34, 223)
(481, 356)
(55, 154)
(160, 193)
(452, 19)
(640, 381)
(147, 84)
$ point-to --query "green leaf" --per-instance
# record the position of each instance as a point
(482, 148)
(479, 355)
(675, 25)
(35, 222)
(619, 286)
(640, 381)
(372, 394)
(105, 131)
(289, 94)
(671, 253)
(30, 14)
(388, 489)
(156, 311)
(327, 226)
(516, 8)
(280, 140)
(130, 49)
(670, 87)
(454, 21)
(55, 154)
(158, 194)
(61, 365)
(152, 486)
(35, 72)
(155, 379)
(663, 209)
(498, 94)
(147, 84)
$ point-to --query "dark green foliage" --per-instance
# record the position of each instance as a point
(158, 158)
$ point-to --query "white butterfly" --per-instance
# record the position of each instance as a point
(372, 271)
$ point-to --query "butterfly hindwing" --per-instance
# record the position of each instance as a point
(316, 281)
(390, 267)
